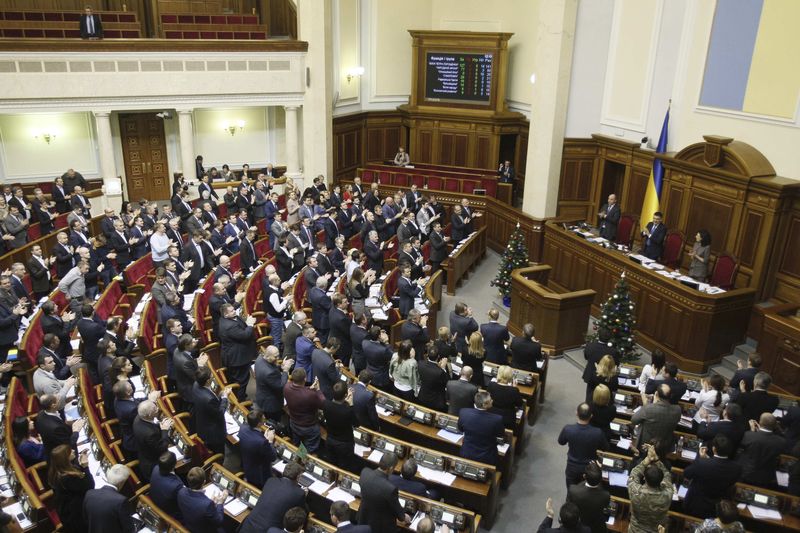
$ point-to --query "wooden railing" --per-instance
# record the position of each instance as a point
(460, 263)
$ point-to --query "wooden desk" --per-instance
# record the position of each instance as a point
(693, 328)
(560, 318)
(458, 265)
(779, 346)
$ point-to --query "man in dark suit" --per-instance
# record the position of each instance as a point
(380, 506)
(60, 326)
(255, 447)
(201, 514)
(320, 308)
(584, 440)
(677, 387)
(731, 425)
(433, 377)
(364, 402)
(526, 351)
(712, 478)
(591, 498)
(358, 332)
(237, 347)
(126, 409)
(215, 303)
(340, 322)
(569, 516)
(461, 392)
(39, 268)
(658, 419)
(293, 330)
(165, 484)
(41, 211)
(761, 449)
(107, 509)
(653, 237)
(495, 337)
(758, 400)
(609, 218)
(312, 273)
(209, 411)
(52, 429)
(270, 380)
(278, 495)
(173, 309)
(460, 224)
(248, 258)
(340, 419)
(407, 482)
(340, 517)
(91, 27)
(506, 172)
(151, 437)
(481, 429)
(438, 246)
(407, 290)
(64, 254)
(200, 264)
(415, 329)
(462, 325)
(595, 350)
(745, 374)
(324, 369)
(185, 365)
(378, 354)
(92, 329)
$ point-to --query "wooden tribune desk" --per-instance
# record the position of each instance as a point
(559, 318)
(692, 327)
(459, 264)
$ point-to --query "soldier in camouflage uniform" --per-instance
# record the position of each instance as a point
(649, 501)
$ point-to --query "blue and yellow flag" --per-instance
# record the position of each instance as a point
(652, 198)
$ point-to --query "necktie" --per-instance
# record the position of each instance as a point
(90, 20)
(200, 254)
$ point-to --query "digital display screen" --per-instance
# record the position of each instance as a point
(458, 77)
(614, 426)
(318, 471)
(760, 498)
(619, 397)
(448, 517)
(252, 500)
(608, 462)
(390, 447)
(356, 487)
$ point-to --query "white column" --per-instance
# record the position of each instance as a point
(186, 134)
(552, 66)
(112, 185)
(314, 27)
(292, 144)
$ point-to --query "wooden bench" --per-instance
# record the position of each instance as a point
(65, 24)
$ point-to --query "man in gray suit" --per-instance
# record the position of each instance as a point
(195, 222)
(658, 419)
(277, 229)
(16, 225)
(460, 392)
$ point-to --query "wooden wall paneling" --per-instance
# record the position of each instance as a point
(712, 213)
(348, 145)
(460, 145)
(482, 152)
(637, 188)
(425, 145)
(445, 152)
(790, 261)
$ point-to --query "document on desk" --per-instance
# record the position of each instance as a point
(618, 479)
(689, 454)
(502, 448)
(230, 424)
(279, 466)
(682, 490)
(177, 452)
(235, 507)
(320, 487)
(624, 443)
(336, 494)
(375, 456)
(381, 411)
(783, 478)
(15, 510)
(361, 451)
(443, 478)
(449, 435)
(759, 513)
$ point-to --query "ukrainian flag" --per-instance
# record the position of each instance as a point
(652, 197)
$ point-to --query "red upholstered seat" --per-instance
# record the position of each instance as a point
(367, 176)
(391, 253)
(418, 180)
(186, 19)
(354, 242)
(262, 247)
(258, 35)
(34, 15)
(202, 19)
(401, 180)
(169, 19)
(34, 232)
(673, 249)
(426, 251)
(491, 188)
(61, 221)
(218, 19)
(391, 282)
(452, 185)
(468, 186)
(148, 327)
(725, 269)
(60, 299)
(625, 228)
(32, 339)
(236, 261)
(436, 183)
(384, 177)
(299, 291)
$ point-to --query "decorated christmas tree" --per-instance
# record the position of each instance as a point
(514, 256)
(618, 317)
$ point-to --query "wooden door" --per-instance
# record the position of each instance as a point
(144, 148)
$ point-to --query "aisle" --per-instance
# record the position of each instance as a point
(540, 468)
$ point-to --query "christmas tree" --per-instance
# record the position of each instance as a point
(515, 256)
(617, 316)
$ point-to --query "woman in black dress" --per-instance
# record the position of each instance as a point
(603, 411)
(506, 398)
(70, 482)
(473, 357)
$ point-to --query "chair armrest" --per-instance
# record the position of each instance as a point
(216, 458)
(38, 480)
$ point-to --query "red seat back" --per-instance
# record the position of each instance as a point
(32, 339)
(491, 187)
(299, 290)
(426, 251)
(391, 282)
(418, 180)
(673, 249)
(401, 180)
(436, 183)
(452, 185)
(724, 274)
(625, 228)
(467, 186)
(34, 232)
(367, 176)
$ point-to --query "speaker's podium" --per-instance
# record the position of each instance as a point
(560, 318)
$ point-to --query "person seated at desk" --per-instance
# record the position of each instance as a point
(200, 513)
(481, 428)
(279, 495)
(340, 517)
(401, 158)
(677, 387)
(700, 254)
(569, 516)
(165, 485)
(29, 448)
(407, 482)
(653, 237)
(609, 218)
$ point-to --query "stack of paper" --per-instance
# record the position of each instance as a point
(235, 507)
(443, 478)
(759, 513)
(618, 479)
(336, 494)
(449, 435)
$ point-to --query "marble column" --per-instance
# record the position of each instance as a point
(292, 144)
(112, 185)
(186, 135)
(314, 21)
(552, 66)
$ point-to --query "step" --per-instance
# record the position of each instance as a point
(729, 361)
(722, 370)
(743, 351)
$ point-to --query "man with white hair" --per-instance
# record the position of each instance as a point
(151, 437)
(293, 330)
(270, 380)
(107, 509)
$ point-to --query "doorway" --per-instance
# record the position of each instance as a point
(144, 149)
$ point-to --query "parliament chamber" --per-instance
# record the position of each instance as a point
(352, 266)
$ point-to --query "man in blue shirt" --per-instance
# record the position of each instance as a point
(584, 440)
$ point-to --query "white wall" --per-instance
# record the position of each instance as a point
(218, 147)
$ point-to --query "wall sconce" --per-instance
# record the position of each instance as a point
(533, 79)
(46, 136)
(354, 72)
(233, 128)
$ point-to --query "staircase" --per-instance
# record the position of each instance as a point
(727, 366)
